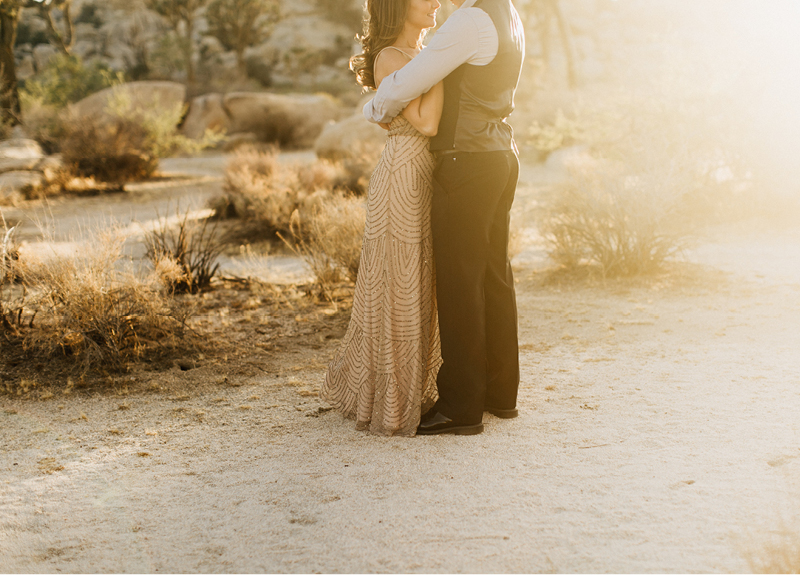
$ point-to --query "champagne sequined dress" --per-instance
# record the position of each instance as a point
(384, 373)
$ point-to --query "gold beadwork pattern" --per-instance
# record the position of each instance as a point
(384, 373)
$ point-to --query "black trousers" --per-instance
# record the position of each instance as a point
(472, 197)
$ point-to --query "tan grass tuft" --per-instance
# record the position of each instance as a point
(114, 151)
(627, 222)
(184, 256)
(89, 308)
(777, 552)
(261, 189)
(336, 230)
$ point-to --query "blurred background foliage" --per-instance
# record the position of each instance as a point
(654, 109)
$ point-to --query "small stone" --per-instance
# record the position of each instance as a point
(13, 185)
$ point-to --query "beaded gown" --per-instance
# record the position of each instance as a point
(384, 373)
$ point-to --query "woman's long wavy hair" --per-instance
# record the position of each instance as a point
(384, 23)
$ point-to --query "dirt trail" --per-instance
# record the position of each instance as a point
(658, 432)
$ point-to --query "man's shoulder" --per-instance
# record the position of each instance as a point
(464, 17)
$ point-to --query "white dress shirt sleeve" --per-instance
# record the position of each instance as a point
(468, 36)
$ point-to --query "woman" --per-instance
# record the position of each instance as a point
(384, 374)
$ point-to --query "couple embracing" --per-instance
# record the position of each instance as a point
(432, 340)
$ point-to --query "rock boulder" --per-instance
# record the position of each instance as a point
(19, 154)
(292, 121)
(14, 185)
(142, 95)
(206, 112)
(350, 138)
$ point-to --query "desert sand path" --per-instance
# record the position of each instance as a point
(659, 432)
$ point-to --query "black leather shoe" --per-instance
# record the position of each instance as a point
(438, 424)
(428, 415)
(502, 413)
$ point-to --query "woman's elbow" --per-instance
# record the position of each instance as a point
(430, 130)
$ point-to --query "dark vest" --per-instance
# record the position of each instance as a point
(478, 99)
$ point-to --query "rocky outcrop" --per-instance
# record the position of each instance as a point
(141, 95)
(23, 168)
(291, 121)
(13, 185)
(350, 138)
(19, 154)
(206, 112)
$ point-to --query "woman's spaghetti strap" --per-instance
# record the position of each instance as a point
(406, 54)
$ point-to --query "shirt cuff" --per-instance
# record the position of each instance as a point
(368, 110)
(376, 109)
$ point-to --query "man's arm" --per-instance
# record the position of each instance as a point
(458, 41)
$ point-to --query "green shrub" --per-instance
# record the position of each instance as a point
(126, 143)
(43, 122)
(161, 126)
(68, 79)
(89, 14)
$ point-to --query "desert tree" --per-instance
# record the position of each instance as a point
(10, 13)
(542, 16)
(239, 24)
(181, 14)
(349, 12)
(63, 38)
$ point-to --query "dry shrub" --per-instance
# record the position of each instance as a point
(184, 256)
(358, 170)
(330, 240)
(357, 164)
(88, 308)
(114, 151)
(12, 296)
(322, 175)
(336, 231)
(627, 222)
(782, 555)
(656, 167)
(775, 549)
(123, 144)
(258, 187)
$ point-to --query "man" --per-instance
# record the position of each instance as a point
(478, 52)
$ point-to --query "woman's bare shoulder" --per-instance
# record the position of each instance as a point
(390, 60)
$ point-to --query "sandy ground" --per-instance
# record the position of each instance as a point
(659, 432)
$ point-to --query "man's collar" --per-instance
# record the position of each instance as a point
(467, 4)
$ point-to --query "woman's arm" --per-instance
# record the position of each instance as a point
(425, 111)
(456, 42)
